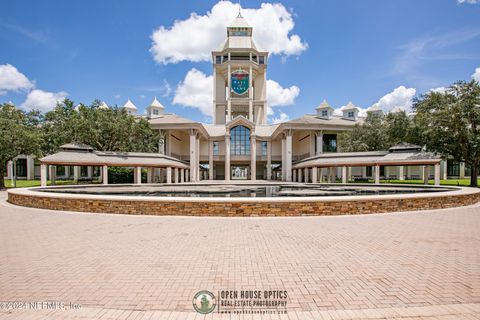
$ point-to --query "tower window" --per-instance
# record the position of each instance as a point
(351, 114)
(264, 148)
(155, 112)
(261, 60)
(218, 59)
(215, 148)
(324, 113)
(240, 141)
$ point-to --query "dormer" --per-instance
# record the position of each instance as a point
(155, 109)
(350, 112)
(324, 110)
(375, 110)
(103, 105)
(130, 107)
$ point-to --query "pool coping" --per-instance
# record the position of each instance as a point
(455, 191)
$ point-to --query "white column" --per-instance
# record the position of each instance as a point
(169, 174)
(377, 174)
(269, 160)
(401, 175)
(89, 171)
(300, 175)
(43, 175)
(193, 156)
(462, 170)
(426, 174)
(175, 173)
(250, 100)
(210, 160)
(53, 175)
(149, 175)
(306, 175)
(437, 174)
(105, 174)
(294, 175)
(30, 168)
(187, 175)
(445, 170)
(319, 142)
(76, 173)
(137, 175)
(288, 155)
(227, 156)
(314, 175)
(344, 175)
(229, 101)
(197, 165)
(253, 158)
(10, 173)
(284, 161)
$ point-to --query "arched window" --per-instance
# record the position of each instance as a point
(240, 140)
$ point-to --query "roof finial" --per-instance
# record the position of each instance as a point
(239, 9)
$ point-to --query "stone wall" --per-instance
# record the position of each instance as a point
(260, 208)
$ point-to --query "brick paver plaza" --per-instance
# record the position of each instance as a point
(411, 265)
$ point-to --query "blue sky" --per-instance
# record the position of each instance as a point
(361, 51)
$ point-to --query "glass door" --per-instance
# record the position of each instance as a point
(239, 172)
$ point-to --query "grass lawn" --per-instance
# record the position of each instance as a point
(33, 183)
(449, 182)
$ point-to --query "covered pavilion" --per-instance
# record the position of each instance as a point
(311, 169)
(74, 154)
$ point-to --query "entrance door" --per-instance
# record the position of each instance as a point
(239, 172)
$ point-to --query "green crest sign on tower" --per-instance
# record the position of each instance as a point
(240, 81)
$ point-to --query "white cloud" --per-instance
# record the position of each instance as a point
(279, 96)
(194, 38)
(362, 112)
(13, 80)
(468, 1)
(399, 97)
(196, 91)
(476, 74)
(439, 89)
(43, 100)
(283, 117)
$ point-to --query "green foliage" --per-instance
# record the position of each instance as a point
(123, 175)
(377, 133)
(110, 129)
(450, 123)
(19, 134)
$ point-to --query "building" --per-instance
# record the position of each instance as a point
(240, 144)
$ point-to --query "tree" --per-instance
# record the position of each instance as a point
(19, 134)
(450, 122)
(397, 128)
(111, 129)
(369, 136)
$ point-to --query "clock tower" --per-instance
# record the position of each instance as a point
(239, 76)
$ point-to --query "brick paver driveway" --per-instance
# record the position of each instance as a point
(401, 265)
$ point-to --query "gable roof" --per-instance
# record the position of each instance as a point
(350, 106)
(323, 105)
(129, 105)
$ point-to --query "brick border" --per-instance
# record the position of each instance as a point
(238, 208)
